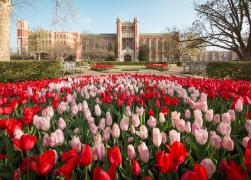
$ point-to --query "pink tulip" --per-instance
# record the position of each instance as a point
(74, 110)
(232, 114)
(209, 167)
(97, 110)
(97, 139)
(201, 136)
(217, 118)
(48, 112)
(143, 152)
(224, 128)
(248, 126)
(18, 133)
(143, 132)
(124, 124)
(157, 138)
(108, 119)
(93, 128)
(107, 133)
(61, 124)
(198, 117)
(174, 136)
(131, 152)
(115, 130)
(227, 143)
(188, 127)
(180, 125)
(209, 115)
(101, 124)
(195, 126)
(238, 106)
(226, 118)
(128, 111)
(245, 141)
(46, 140)
(99, 152)
(75, 143)
(215, 140)
(164, 138)
(41, 123)
(135, 120)
(152, 122)
(203, 97)
(130, 139)
(162, 117)
(187, 114)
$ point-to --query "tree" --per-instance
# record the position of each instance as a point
(183, 41)
(143, 53)
(225, 24)
(60, 7)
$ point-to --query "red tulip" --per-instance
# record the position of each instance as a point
(100, 174)
(7, 110)
(35, 98)
(178, 153)
(247, 159)
(174, 101)
(199, 173)
(167, 100)
(247, 100)
(163, 162)
(3, 156)
(85, 156)
(232, 170)
(69, 154)
(147, 178)
(66, 169)
(45, 162)
(249, 115)
(135, 167)
(112, 172)
(115, 157)
(165, 111)
(16, 174)
(26, 142)
(150, 112)
(27, 163)
(157, 103)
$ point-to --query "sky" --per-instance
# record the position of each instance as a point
(99, 16)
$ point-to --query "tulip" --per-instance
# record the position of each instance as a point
(85, 156)
(98, 152)
(107, 133)
(238, 106)
(152, 122)
(209, 115)
(74, 110)
(215, 140)
(135, 167)
(226, 118)
(174, 136)
(232, 170)
(188, 127)
(3, 156)
(232, 114)
(143, 152)
(199, 173)
(163, 162)
(217, 118)
(248, 125)
(69, 154)
(131, 152)
(227, 143)
(115, 130)
(163, 137)
(187, 114)
(209, 166)
(143, 132)
(224, 128)
(26, 142)
(61, 124)
(114, 156)
(150, 112)
(124, 124)
(99, 174)
(201, 136)
(161, 117)
(135, 120)
(178, 153)
(97, 110)
(93, 128)
(245, 141)
(180, 125)
(75, 143)
(101, 125)
(157, 138)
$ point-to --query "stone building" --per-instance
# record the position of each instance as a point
(5, 14)
(125, 43)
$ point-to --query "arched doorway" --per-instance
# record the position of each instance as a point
(128, 58)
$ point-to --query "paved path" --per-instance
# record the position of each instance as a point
(174, 71)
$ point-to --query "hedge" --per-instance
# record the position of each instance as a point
(230, 70)
(15, 71)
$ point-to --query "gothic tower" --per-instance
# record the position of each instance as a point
(22, 37)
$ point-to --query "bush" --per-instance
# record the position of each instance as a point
(230, 70)
(143, 53)
(101, 67)
(179, 64)
(15, 71)
(158, 67)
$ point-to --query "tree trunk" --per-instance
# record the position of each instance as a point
(5, 15)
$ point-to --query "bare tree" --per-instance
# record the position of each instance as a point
(182, 41)
(225, 24)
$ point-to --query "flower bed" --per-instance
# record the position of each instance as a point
(158, 67)
(125, 127)
(101, 67)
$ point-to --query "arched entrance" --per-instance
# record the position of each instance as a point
(127, 58)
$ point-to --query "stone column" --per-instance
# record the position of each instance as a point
(150, 48)
(136, 39)
(156, 49)
(119, 39)
(5, 14)
(163, 49)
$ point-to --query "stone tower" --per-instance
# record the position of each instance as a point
(5, 14)
(22, 37)
(136, 39)
(119, 39)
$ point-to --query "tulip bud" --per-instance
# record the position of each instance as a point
(157, 137)
(131, 152)
(115, 130)
(61, 124)
(174, 136)
(143, 152)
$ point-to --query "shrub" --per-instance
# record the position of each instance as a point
(15, 71)
(143, 53)
(179, 64)
(101, 67)
(158, 67)
(127, 62)
(230, 70)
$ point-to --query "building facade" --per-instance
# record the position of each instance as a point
(124, 45)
